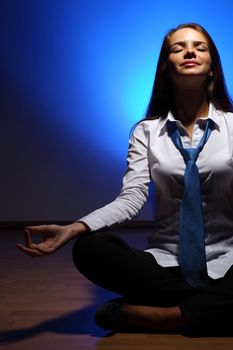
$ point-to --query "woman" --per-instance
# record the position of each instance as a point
(159, 292)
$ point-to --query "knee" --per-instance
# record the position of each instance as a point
(91, 251)
(87, 250)
(80, 251)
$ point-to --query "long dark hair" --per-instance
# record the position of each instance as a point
(161, 100)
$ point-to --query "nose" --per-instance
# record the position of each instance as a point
(190, 52)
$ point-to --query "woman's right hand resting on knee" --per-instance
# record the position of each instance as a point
(54, 237)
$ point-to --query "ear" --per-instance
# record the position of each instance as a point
(211, 73)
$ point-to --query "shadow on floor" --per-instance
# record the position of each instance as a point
(77, 322)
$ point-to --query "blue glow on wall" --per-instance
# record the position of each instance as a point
(92, 64)
(76, 75)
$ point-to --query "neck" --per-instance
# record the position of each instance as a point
(190, 103)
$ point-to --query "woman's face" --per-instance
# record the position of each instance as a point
(188, 54)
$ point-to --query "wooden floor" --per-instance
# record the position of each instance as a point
(47, 304)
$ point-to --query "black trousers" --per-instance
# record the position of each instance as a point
(111, 263)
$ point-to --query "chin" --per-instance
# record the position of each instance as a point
(190, 79)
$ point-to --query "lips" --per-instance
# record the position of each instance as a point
(190, 63)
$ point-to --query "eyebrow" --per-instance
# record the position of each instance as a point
(196, 43)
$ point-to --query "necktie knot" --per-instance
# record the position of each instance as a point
(191, 154)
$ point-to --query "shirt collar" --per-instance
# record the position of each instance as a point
(213, 114)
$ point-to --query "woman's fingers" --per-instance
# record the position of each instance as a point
(51, 240)
(27, 237)
(45, 250)
(39, 249)
(31, 248)
(29, 251)
(37, 229)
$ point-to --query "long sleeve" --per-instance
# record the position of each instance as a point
(134, 191)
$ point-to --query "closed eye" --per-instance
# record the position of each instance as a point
(203, 49)
(198, 45)
(176, 49)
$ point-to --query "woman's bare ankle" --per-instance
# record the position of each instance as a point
(173, 318)
(150, 317)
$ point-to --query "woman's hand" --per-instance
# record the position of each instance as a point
(54, 237)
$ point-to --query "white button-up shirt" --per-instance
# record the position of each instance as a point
(152, 154)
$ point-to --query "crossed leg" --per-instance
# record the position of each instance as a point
(156, 298)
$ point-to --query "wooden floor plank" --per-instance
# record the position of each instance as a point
(47, 304)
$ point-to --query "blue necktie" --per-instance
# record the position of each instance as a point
(192, 259)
